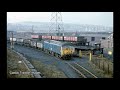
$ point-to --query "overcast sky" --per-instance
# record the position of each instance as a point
(95, 18)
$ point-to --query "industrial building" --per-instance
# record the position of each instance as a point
(107, 43)
(94, 38)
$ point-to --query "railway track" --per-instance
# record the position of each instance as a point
(83, 72)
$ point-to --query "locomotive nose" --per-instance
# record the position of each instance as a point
(68, 51)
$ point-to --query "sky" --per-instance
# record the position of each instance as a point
(94, 18)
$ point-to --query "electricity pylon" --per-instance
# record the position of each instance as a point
(56, 24)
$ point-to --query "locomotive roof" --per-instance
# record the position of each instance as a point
(60, 43)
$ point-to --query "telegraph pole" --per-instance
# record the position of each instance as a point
(12, 44)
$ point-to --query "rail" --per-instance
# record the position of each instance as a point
(82, 71)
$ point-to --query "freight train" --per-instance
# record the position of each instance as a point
(59, 46)
(56, 48)
(60, 38)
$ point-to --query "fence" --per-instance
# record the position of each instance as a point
(100, 61)
(103, 63)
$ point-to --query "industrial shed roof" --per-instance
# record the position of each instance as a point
(95, 35)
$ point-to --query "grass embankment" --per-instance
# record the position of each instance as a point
(15, 69)
(49, 71)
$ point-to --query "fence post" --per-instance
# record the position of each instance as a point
(99, 63)
(103, 65)
(108, 68)
(102, 56)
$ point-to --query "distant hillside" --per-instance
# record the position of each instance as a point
(43, 27)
